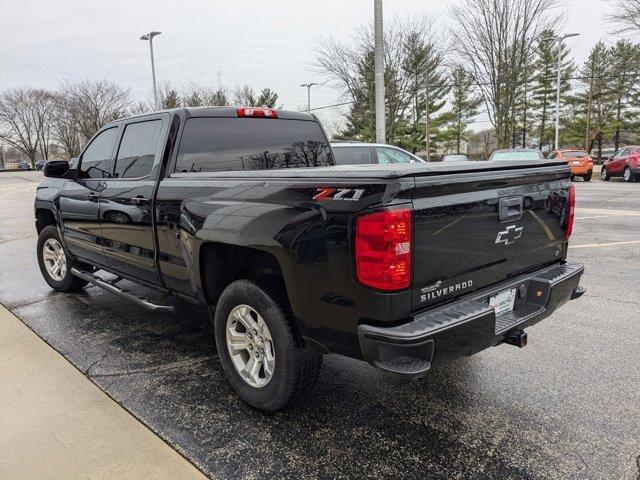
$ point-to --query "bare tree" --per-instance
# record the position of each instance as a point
(246, 96)
(495, 39)
(19, 120)
(413, 63)
(626, 16)
(197, 95)
(65, 131)
(95, 103)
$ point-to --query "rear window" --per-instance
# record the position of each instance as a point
(525, 155)
(224, 144)
(352, 155)
(575, 154)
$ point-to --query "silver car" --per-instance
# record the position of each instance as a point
(359, 153)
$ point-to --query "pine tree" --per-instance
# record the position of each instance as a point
(464, 106)
(623, 84)
(267, 98)
(171, 100)
(543, 97)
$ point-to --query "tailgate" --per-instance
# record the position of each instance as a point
(475, 229)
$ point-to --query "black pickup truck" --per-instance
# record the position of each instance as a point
(242, 210)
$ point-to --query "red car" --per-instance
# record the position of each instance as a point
(625, 163)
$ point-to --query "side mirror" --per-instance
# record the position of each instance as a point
(56, 168)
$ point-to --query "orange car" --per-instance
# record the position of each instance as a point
(580, 162)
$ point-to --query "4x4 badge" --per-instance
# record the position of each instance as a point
(510, 235)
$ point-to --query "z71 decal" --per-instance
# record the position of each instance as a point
(347, 194)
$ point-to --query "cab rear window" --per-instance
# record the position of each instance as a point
(228, 144)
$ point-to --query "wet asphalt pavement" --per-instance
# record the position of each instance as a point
(567, 406)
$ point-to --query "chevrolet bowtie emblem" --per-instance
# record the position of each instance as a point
(510, 235)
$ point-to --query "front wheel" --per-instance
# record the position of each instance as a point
(261, 354)
(604, 174)
(55, 264)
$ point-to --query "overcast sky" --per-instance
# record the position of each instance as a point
(263, 43)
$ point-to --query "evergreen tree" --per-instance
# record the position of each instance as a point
(591, 120)
(623, 84)
(267, 98)
(171, 99)
(464, 106)
(543, 96)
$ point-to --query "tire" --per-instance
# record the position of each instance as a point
(60, 280)
(572, 178)
(295, 367)
(627, 175)
(587, 177)
(604, 175)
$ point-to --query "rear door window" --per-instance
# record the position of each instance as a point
(223, 144)
(138, 149)
(96, 159)
(391, 155)
(352, 155)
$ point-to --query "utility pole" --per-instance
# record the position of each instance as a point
(149, 36)
(427, 134)
(379, 72)
(308, 85)
(559, 39)
(587, 142)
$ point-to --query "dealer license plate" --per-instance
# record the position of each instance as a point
(503, 301)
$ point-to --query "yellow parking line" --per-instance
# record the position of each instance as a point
(591, 245)
(544, 226)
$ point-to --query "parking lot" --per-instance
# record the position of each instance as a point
(567, 406)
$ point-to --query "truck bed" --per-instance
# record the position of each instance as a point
(381, 171)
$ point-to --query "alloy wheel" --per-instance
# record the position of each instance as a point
(250, 346)
(55, 260)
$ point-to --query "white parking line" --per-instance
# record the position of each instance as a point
(611, 215)
(591, 245)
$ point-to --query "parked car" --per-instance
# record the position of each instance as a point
(625, 163)
(40, 164)
(580, 162)
(357, 153)
(605, 155)
(526, 154)
(244, 212)
(455, 157)
(24, 166)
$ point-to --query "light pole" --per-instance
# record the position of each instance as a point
(308, 85)
(559, 39)
(379, 71)
(149, 36)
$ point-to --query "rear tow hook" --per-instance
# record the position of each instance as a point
(517, 338)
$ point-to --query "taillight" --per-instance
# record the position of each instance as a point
(383, 249)
(257, 112)
(572, 208)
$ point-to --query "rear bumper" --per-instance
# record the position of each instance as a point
(468, 325)
(581, 169)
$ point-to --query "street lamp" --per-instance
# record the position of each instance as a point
(308, 85)
(149, 36)
(558, 39)
(379, 71)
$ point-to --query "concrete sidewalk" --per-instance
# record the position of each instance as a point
(55, 423)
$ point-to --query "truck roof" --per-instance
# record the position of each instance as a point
(230, 112)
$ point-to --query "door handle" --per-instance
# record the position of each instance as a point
(139, 200)
(93, 197)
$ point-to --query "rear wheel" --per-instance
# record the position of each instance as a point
(55, 264)
(587, 177)
(627, 175)
(261, 354)
(604, 174)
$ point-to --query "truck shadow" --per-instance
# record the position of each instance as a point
(357, 422)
